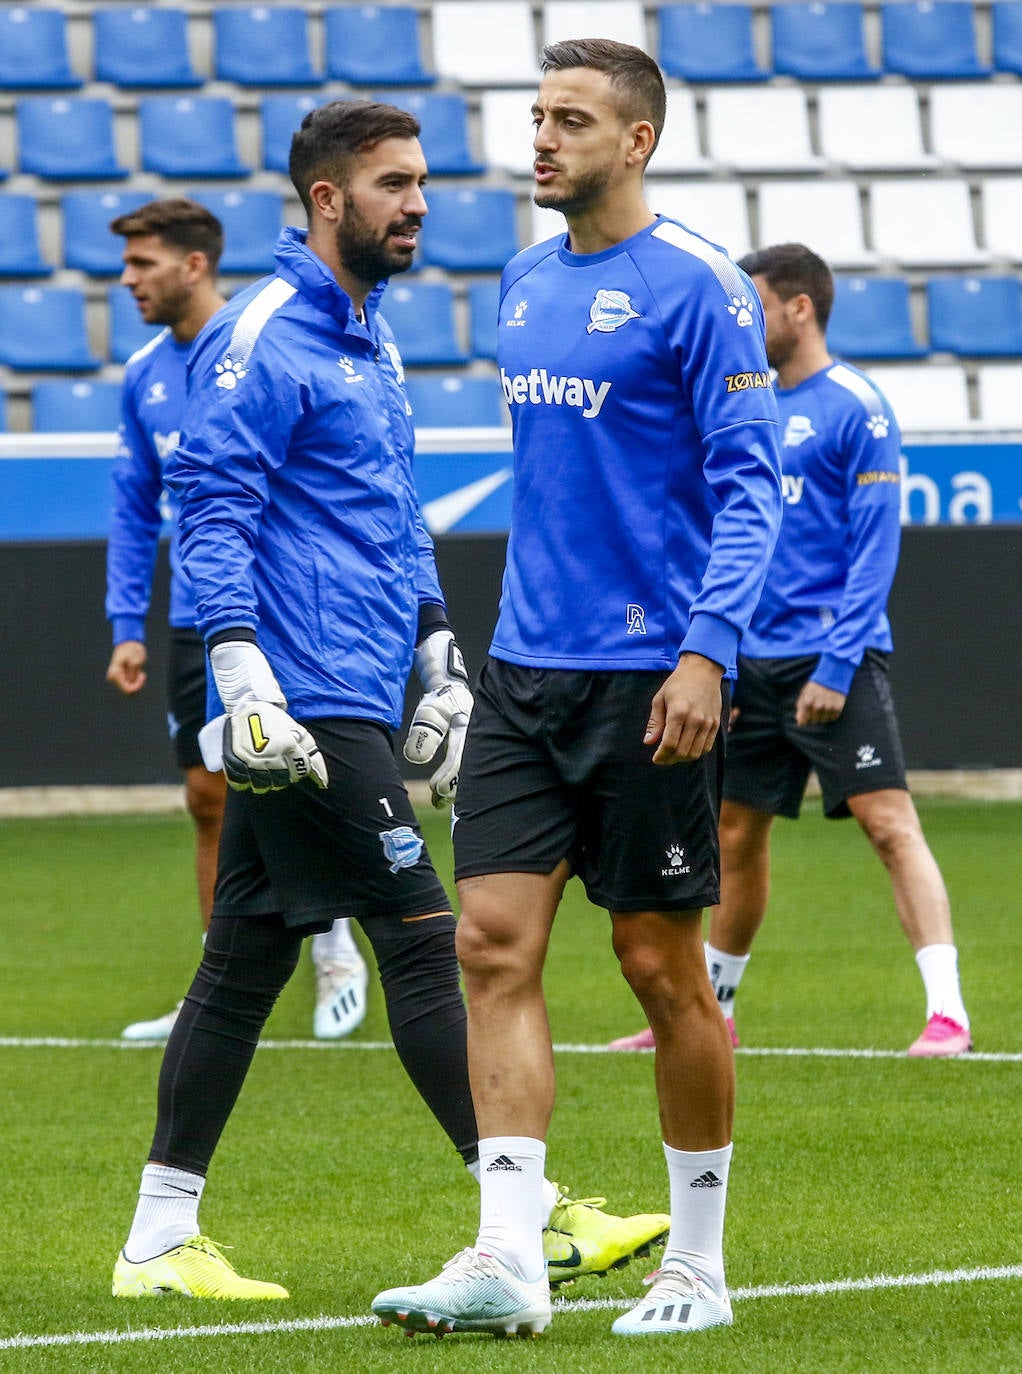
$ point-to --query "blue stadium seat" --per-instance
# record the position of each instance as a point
(42, 329)
(708, 41)
(3, 411)
(872, 319)
(370, 45)
(930, 39)
(981, 316)
(483, 303)
(67, 407)
(818, 41)
(470, 230)
(422, 318)
(128, 331)
(33, 50)
(20, 252)
(189, 136)
(143, 46)
(67, 138)
(263, 45)
(1007, 33)
(455, 400)
(444, 136)
(281, 116)
(89, 246)
(252, 221)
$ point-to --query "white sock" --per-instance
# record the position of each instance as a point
(336, 945)
(550, 1193)
(167, 1213)
(725, 972)
(511, 1206)
(698, 1196)
(938, 965)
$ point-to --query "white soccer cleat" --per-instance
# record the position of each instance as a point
(676, 1301)
(152, 1030)
(473, 1292)
(340, 998)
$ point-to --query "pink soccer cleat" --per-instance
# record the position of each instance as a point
(942, 1038)
(642, 1040)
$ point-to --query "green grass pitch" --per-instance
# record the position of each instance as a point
(874, 1207)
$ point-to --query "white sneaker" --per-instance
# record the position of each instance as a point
(340, 998)
(473, 1292)
(152, 1030)
(677, 1301)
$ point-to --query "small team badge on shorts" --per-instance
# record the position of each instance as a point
(401, 846)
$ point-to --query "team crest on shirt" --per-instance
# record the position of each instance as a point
(157, 393)
(636, 619)
(395, 357)
(609, 311)
(401, 847)
(798, 429)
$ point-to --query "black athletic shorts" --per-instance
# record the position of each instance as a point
(186, 694)
(769, 757)
(555, 768)
(313, 854)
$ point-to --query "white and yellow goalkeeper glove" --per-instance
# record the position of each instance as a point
(262, 749)
(442, 713)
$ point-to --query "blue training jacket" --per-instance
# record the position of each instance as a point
(828, 582)
(298, 513)
(152, 401)
(647, 472)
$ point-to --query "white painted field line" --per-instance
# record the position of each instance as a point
(13, 1042)
(872, 1283)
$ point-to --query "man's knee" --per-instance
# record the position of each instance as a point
(890, 822)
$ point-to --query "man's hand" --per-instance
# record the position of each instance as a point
(127, 666)
(264, 750)
(818, 705)
(685, 714)
(442, 713)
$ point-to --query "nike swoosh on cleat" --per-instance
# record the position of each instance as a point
(574, 1259)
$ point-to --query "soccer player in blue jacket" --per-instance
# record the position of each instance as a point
(813, 688)
(316, 589)
(172, 248)
(646, 503)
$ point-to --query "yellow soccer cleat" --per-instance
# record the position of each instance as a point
(580, 1238)
(197, 1269)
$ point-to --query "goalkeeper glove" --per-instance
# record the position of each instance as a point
(442, 713)
(264, 750)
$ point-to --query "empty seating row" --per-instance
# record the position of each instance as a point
(710, 40)
(46, 329)
(747, 129)
(924, 397)
(967, 315)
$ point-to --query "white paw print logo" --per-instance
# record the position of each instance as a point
(676, 856)
(866, 753)
(878, 426)
(347, 366)
(229, 373)
(741, 310)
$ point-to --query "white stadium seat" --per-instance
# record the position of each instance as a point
(621, 20)
(1001, 201)
(925, 396)
(977, 124)
(507, 129)
(872, 128)
(485, 45)
(826, 215)
(925, 223)
(678, 149)
(718, 210)
(760, 129)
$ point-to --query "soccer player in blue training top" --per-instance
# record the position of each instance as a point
(172, 248)
(646, 503)
(316, 588)
(812, 684)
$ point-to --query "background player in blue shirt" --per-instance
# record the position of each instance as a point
(812, 687)
(172, 249)
(646, 503)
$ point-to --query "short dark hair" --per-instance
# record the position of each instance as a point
(184, 224)
(635, 77)
(792, 269)
(331, 136)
